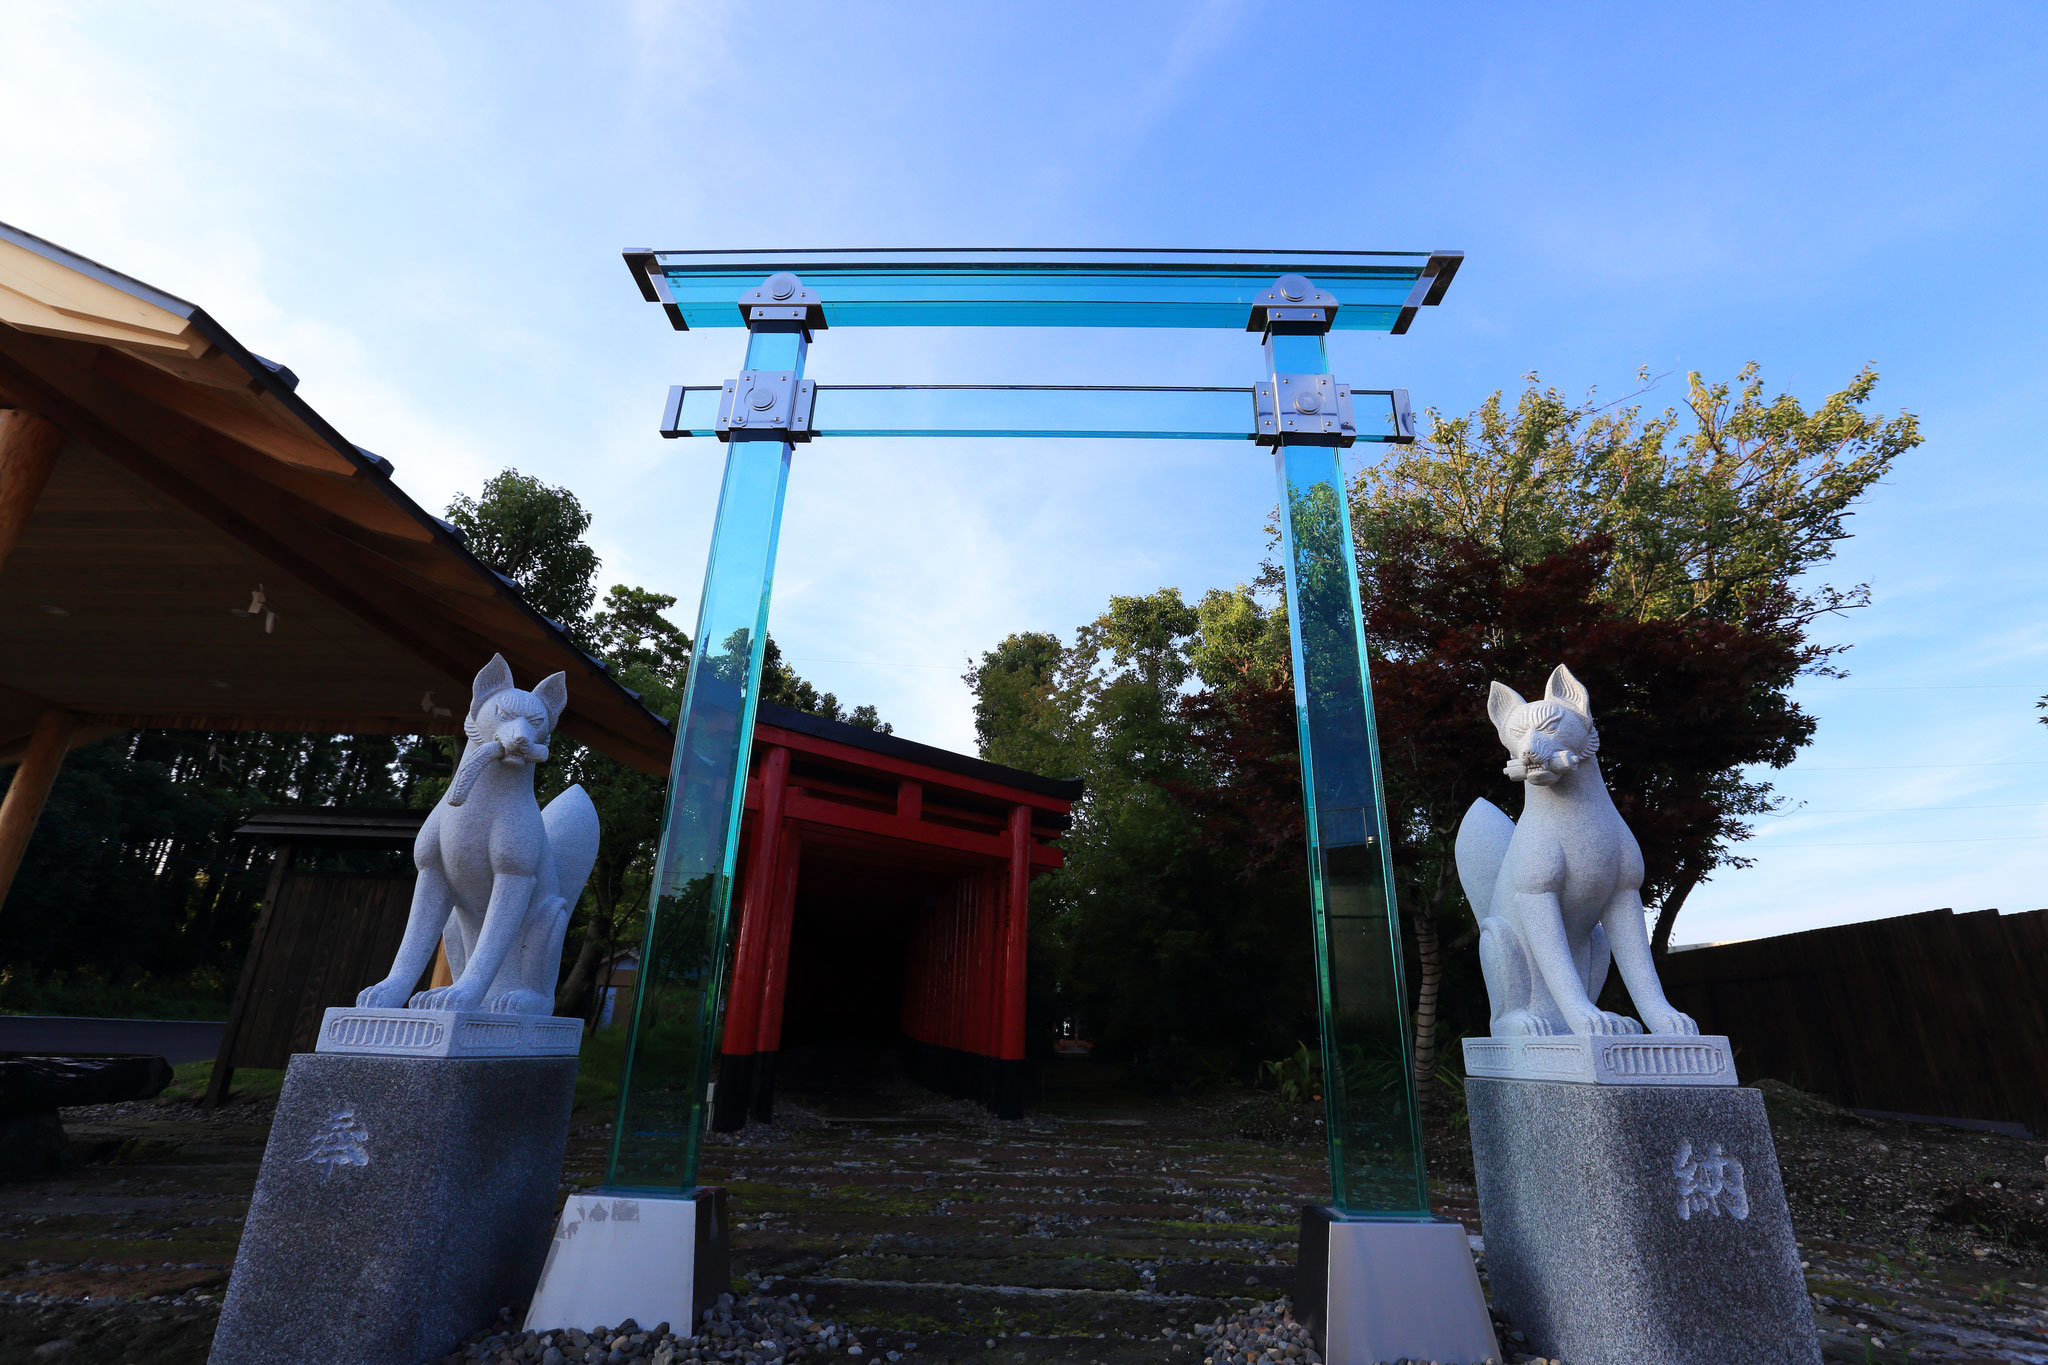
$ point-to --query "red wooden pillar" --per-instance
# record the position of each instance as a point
(1017, 940)
(918, 968)
(750, 958)
(952, 969)
(988, 936)
(780, 904)
(1010, 1074)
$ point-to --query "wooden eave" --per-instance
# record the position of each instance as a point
(192, 473)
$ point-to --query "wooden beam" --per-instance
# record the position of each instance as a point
(30, 789)
(28, 452)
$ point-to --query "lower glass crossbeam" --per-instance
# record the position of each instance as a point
(1034, 410)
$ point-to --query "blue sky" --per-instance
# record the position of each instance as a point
(420, 209)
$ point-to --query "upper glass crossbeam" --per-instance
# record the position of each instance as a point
(1376, 291)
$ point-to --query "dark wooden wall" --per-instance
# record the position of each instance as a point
(327, 936)
(1939, 1014)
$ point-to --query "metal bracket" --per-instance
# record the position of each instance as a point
(1293, 307)
(1404, 420)
(766, 405)
(782, 303)
(1430, 285)
(1306, 410)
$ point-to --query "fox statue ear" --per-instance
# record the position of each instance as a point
(495, 677)
(1568, 692)
(554, 694)
(1501, 701)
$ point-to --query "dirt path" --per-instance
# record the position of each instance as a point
(1098, 1232)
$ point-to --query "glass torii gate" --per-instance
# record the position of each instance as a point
(1296, 406)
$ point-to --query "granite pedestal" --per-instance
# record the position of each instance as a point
(403, 1201)
(1638, 1224)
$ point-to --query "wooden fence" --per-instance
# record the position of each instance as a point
(321, 939)
(1938, 1014)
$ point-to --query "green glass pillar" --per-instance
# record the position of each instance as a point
(679, 998)
(1376, 1166)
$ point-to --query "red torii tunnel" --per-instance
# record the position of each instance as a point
(883, 897)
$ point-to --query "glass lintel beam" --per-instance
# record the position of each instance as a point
(1375, 290)
(1130, 412)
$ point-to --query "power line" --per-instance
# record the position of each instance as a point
(1913, 766)
(879, 663)
(1927, 687)
(1887, 810)
(1895, 843)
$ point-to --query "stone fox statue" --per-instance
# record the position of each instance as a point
(1559, 894)
(498, 875)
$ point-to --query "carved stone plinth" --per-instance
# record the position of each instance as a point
(402, 1203)
(447, 1033)
(1638, 1224)
(1627, 1059)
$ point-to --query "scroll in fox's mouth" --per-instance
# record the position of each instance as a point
(1541, 770)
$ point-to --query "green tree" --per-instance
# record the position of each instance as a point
(1736, 498)
(533, 534)
(1148, 934)
(136, 894)
(632, 630)
(1018, 717)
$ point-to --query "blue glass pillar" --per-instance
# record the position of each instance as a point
(679, 996)
(1376, 1166)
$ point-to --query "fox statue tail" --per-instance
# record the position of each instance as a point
(1482, 846)
(571, 822)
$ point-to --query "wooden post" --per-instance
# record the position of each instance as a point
(238, 1010)
(30, 788)
(735, 1093)
(28, 451)
(1008, 1067)
(1017, 938)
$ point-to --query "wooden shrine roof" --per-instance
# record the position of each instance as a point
(336, 824)
(897, 800)
(193, 475)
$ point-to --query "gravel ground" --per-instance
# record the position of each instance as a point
(1097, 1233)
(756, 1328)
(761, 1330)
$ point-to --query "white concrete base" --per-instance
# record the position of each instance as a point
(448, 1033)
(1393, 1291)
(649, 1258)
(1623, 1059)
